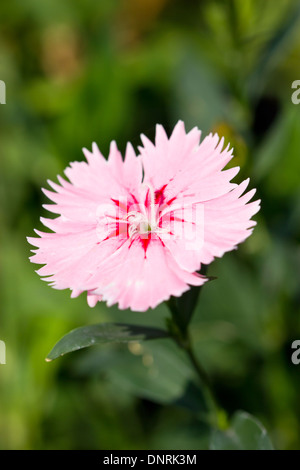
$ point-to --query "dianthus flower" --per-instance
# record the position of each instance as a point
(136, 231)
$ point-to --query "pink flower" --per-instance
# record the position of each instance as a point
(135, 231)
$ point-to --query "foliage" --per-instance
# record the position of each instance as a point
(83, 71)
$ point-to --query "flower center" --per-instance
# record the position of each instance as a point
(139, 224)
(144, 220)
(132, 219)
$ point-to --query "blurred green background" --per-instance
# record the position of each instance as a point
(81, 71)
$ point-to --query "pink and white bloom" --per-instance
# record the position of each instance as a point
(136, 231)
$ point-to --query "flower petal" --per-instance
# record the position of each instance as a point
(141, 281)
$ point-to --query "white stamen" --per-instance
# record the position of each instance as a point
(141, 221)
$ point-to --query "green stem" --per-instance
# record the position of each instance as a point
(215, 411)
(180, 333)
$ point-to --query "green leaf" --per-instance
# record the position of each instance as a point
(245, 433)
(91, 335)
(153, 370)
(158, 371)
(193, 399)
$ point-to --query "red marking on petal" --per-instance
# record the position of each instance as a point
(159, 195)
(116, 201)
(122, 205)
(171, 200)
(134, 198)
(147, 199)
(161, 241)
(145, 242)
